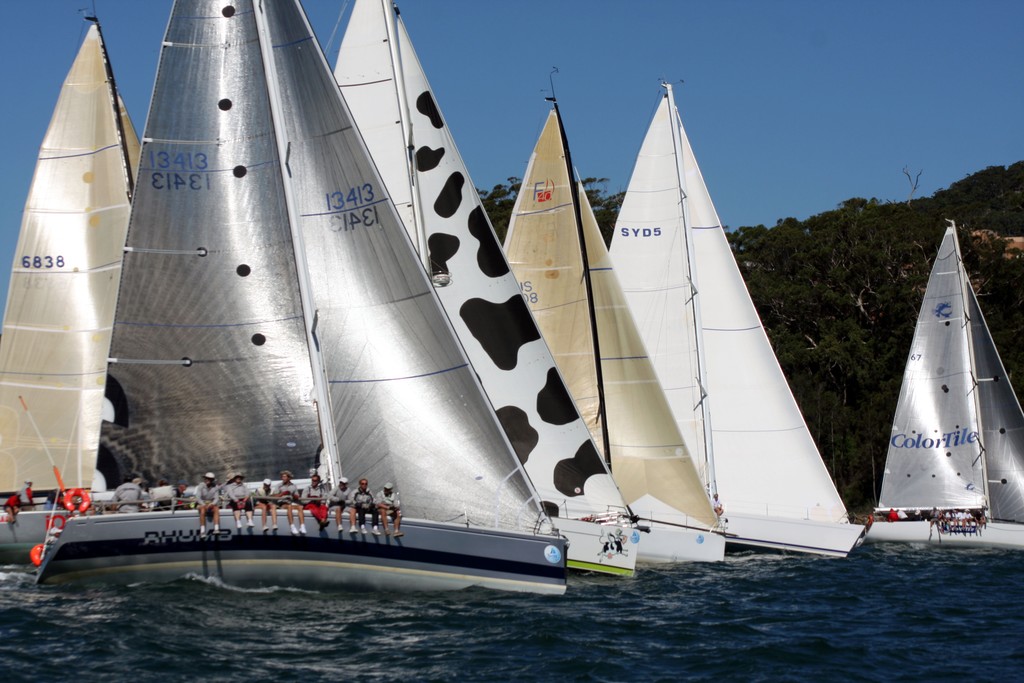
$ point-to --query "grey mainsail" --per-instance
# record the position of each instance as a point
(268, 274)
(935, 457)
(1002, 425)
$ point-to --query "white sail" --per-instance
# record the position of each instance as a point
(272, 301)
(672, 254)
(395, 108)
(64, 282)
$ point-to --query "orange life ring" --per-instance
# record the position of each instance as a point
(36, 554)
(82, 494)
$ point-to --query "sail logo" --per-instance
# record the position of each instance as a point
(961, 437)
(552, 554)
(640, 232)
(944, 310)
(542, 191)
(634, 537)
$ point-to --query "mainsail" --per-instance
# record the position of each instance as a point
(554, 250)
(954, 384)
(64, 282)
(272, 302)
(671, 252)
(386, 88)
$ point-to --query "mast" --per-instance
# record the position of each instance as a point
(574, 194)
(309, 312)
(115, 103)
(965, 282)
(405, 120)
(698, 328)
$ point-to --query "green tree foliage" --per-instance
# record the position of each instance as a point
(839, 293)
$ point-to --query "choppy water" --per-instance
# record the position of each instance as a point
(892, 613)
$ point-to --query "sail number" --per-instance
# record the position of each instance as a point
(178, 171)
(360, 195)
(42, 261)
(528, 292)
(184, 161)
(353, 209)
(640, 232)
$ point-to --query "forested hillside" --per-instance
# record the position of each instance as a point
(839, 295)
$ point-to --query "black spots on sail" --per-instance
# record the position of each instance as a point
(114, 394)
(427, 159)
(502, 329)
(449, 199)
(521, 435)
(425, 105)
(489, 255)
(550, 509)
(554, 404)
(441, 247)
(571, 474)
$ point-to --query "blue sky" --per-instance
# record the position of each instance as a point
(792, 106)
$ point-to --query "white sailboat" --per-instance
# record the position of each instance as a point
(558, 254)
(391, 101)
(957, 442)
(274, 315)
(709, 348)
(60, 303)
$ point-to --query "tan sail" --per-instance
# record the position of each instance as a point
(60, 304)
(648, 455)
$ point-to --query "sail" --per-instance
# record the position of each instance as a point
(764, 459)
(271, 290)
(60, 303)
(652, 250)
(934, 457)
(415, 152)
(1002, 423)
(647, 454)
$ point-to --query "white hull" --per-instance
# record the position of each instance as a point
(992, 535)
(164, 546)
(792, 535)
(666, 544)
(603, 548)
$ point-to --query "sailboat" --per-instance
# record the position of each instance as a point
(954, 472)
(274, 315)
(559, 257)
(394, 106)
(60, 303)
(722, 380)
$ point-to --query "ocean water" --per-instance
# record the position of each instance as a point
(886, 613)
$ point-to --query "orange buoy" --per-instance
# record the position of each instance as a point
(85, 502)
(36, 554)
